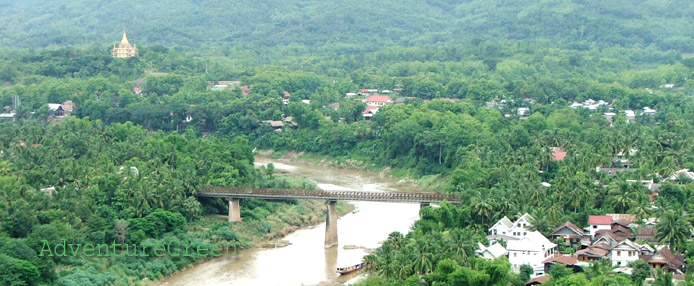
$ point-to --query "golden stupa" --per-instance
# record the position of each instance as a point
(124, 49)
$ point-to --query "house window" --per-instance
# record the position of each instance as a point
(619, 253)
(519, 225)
(595, 226)
(629, 253)
(525, 233)
(515, 254)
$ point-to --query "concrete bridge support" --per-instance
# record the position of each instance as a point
(422, 205)
(234, 210)
(331, 224)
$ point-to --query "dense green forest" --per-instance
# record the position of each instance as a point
(278, 28)
(85, 182)
(149, 131)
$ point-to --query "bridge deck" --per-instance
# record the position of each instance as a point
(283, 194)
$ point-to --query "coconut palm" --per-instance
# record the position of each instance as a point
(673, 229)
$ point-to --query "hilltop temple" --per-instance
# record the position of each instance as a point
(124, 49)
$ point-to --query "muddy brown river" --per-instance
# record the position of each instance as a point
(306, 261)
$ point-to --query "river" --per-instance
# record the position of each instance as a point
(306, 261)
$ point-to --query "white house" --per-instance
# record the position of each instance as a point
(492, 252)
(624, 253)
(532, 249)
(504, 228)
(523, 111)
(519, 228)
(648, 111)
(683, 174)
(598, 222)
(630, 115)
(378, 100)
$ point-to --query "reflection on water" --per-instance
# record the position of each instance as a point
(306, 261)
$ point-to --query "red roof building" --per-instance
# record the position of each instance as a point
(538, 280)
(558, 154)
(600, 220)
(245, 90)
(369, 111)
(378, 100)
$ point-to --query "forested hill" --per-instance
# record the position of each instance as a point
(347, 25)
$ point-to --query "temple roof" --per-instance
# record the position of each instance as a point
(124, 42)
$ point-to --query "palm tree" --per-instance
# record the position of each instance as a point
(673, 229)
(461, 244)
(481, 207)
(621, 196)
(423, 261)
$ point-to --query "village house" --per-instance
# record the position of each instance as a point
(11, 116)
(369, 112)
(630, 115)
(285, 97)
(56, 109)
(378, 100)
(627, 251)
(589, 104)
(565, 260)
(523, 112)
(275, 124)
(598, 222)
(646, 234)
(539, 280)
(666, 260)
(531, 249)
(622, 159)
(593, 253)
(290, 121)
(571, 233)
(682, 175)
(245, 90)
(647, 111)
(506, 230)
(492, 252)
(558, 154)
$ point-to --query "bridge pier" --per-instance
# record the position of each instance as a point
(234, 210)
(422, 205)
(331, 224)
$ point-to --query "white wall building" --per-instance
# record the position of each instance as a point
(492, 252)
(532, 249)
(517, 229)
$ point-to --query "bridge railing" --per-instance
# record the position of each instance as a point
(217, 191)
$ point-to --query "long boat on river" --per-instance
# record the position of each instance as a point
(350, 269)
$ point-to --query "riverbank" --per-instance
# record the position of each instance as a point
(254, 234)
(261, 233)
(304, 260)
(435, 182)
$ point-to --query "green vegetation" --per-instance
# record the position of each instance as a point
(126, 165)
(87, 182)
(300, 27)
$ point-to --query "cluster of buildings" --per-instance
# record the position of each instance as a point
(613, 237)
(610, 114)
(57, 111)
